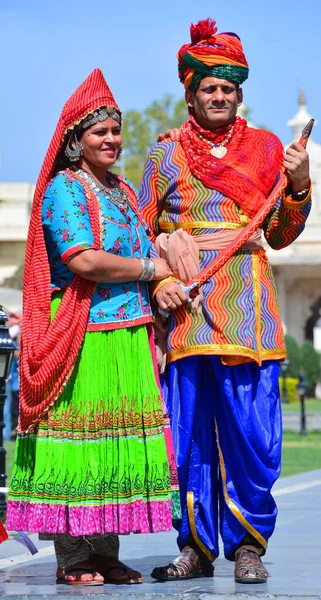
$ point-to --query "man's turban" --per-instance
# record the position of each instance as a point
(211, 54)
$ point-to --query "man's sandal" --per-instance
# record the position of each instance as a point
(63, 574)
(187, 565)
(108, 567)
(249, 567)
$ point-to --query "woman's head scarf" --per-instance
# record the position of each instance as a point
(211, 54)
(49, 349)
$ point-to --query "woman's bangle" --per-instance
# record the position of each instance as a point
(148, 269)
(157, 285)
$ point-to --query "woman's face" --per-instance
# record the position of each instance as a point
(101, 144)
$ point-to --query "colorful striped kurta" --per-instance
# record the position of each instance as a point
(240, 316)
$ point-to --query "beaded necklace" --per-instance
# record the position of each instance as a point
(218, 150)
(114, 193)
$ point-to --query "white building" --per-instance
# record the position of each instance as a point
(297, 269)
(15, 206)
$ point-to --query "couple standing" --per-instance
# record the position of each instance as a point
(94, 456)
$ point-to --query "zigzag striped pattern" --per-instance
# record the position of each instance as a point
(240, 317)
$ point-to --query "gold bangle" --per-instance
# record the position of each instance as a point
(157, 285)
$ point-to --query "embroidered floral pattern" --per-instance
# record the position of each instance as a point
(103, 292)
(69, 184)
(117, 248)
(81, 209)
(65, 216)
(49, 211)
(82, 226)
(68, 231)
(65, 235)
(122, 311)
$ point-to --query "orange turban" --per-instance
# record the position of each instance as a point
(211, 54)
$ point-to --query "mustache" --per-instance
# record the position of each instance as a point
(218, 105)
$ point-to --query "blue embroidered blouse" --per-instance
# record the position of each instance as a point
(67, 230)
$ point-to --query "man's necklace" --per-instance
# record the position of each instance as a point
(114, 193)
(218, 150)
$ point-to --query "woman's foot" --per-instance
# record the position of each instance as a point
(114, 571)
(82, 573)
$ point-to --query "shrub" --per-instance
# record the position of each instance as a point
(310, 359)
(291, 388)
(294, 356)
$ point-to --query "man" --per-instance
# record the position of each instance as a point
(221, 380)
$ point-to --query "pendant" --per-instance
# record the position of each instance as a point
(218, 151)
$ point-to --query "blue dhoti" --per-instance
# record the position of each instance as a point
(227, 430)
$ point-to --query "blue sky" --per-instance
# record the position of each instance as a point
(48, 47)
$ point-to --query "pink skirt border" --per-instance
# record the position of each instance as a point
(136, 517)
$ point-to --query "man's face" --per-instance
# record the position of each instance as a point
(215, 102)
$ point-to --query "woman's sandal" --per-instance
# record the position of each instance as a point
(126, 571)
(249, 567)
(65, 572)
(128, 576)
(187, 565)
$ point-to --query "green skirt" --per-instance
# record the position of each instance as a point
(98, 462)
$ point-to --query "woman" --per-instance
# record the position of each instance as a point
(87, 369)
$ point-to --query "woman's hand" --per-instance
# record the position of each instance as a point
(170, 134)
(170, 296)
(162, 269)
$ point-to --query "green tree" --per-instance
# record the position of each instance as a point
(247, 115)
(294, 356)
(141, 129)
(310, 366)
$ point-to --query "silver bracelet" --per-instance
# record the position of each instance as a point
(148, 269)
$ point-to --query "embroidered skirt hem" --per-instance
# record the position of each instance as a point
(98, 462)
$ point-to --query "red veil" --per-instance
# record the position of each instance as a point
(49, 349)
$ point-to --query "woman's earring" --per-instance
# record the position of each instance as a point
(119, 151)
(74, 153)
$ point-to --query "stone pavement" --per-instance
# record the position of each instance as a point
(293, 560)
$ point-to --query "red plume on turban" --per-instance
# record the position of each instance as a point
(211, 54)
(203, 30)
(49, 349)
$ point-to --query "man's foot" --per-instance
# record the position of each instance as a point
(79, 574)
(249, 567)
(115, 571)
(187, 565)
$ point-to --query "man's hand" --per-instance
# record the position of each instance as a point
(170, 296)
(296, 163)
(162, 269)
(170, 134)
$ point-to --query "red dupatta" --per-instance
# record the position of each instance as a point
(248, 171)
(3, 534)
(49, 349)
